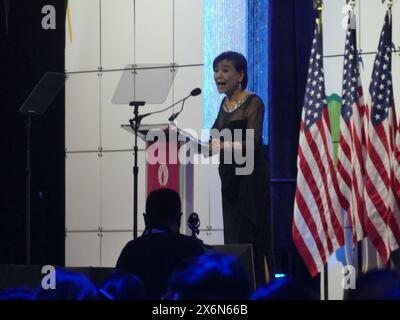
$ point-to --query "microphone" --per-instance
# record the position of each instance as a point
(193, 93)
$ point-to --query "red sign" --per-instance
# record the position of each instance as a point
(163, 167)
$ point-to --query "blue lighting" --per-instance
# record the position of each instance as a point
(258, 47)
(225, 28)
(236, 25)
(280, 275)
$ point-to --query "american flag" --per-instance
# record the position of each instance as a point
(317, 224)
(351, 153)
(381, 184)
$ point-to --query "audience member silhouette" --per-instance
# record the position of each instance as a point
(284, 289)
(122, 285)
(22, 293)
(211, 276)
(69, 285)
(376, 285)
(154, 255)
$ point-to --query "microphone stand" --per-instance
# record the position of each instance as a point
(28, 123)
(36, 104)
(175, 115)
(195, 92)
(162, 110)
(135, 124)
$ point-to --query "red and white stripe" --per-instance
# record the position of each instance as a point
(351, 167)
(382, 186)
(317, 225)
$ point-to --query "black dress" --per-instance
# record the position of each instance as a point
(246, 198)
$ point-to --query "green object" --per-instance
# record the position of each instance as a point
(334, 108)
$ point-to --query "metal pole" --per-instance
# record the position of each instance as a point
(135, 123)
(135, 175)
(28, 191)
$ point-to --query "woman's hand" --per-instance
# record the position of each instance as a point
(216, 146)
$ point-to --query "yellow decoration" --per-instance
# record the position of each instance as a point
(69, 23)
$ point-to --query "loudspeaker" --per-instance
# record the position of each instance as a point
(244, 253)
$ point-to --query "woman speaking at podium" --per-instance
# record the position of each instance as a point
(245, 198)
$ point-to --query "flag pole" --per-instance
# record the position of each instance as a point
(318, 5)
(390, 5)
(360, 260)
(359, 247)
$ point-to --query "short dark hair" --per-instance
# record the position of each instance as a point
(122, 285)
(70, 285)
(239, 62)
(163, 206)
(212, 275)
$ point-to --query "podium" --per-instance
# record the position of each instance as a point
(163, 168)
(139, 85)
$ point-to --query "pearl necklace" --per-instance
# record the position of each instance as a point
(237, 104)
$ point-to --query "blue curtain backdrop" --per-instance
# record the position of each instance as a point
(291, 24)
(257, 53)
(225, 28)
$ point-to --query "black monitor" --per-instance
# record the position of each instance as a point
(244, 252)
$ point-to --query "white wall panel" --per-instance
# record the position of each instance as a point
(366, 72)
(112, 244)
(396, 81)
(154, 31)
(371, 21)
(82, 199)
(333, 68)
(99, 190)
(396, 24)
(114, 115)
(214, 187)
(334, 33)
(161, 118)
(212, 237)
(82, 250)
(83, 53)
(189, 32)
(82, 112)
(117, 33)
(201, 195)
(117, 190)
(335, 266)
(186, 80)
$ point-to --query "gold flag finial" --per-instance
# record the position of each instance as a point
(318, 5)
(352, 3)
(389, 3)
(69, 23)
